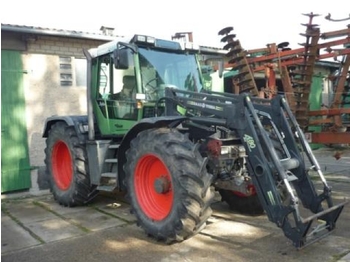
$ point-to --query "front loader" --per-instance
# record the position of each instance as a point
(154, 131)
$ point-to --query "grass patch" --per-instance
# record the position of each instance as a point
(112, 215)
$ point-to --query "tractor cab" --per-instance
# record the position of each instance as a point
(129, 78)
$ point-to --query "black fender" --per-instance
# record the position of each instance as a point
(80, 123)
(146, 123)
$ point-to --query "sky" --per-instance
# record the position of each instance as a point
(256, 23)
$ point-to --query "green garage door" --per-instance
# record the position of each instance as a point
(15, 167)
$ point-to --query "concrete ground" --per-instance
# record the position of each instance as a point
(35, 228)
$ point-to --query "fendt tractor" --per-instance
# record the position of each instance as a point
(154, 131)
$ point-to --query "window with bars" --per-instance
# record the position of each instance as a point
(72, 71)
(66, 74)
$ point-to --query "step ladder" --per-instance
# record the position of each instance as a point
(109, 180)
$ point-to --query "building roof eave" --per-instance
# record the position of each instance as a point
(55, 32)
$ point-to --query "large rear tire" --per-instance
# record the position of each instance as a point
(67, 166)
(168, 186)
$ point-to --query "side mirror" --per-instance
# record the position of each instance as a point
(121, 58)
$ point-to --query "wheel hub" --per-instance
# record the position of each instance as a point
(161, 185)
(153, 187)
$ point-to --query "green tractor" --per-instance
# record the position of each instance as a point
(154, 130)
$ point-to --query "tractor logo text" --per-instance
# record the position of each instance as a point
(250, 142)
(204, 105)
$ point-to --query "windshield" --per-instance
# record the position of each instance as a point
(160, 69)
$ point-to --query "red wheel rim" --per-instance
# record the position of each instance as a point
(156, 205)
(62, 165)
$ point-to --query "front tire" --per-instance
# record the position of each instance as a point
(67, 166)
(168, 185)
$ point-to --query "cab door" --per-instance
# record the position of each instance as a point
(114, 104)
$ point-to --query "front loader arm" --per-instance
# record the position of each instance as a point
(273, 142)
